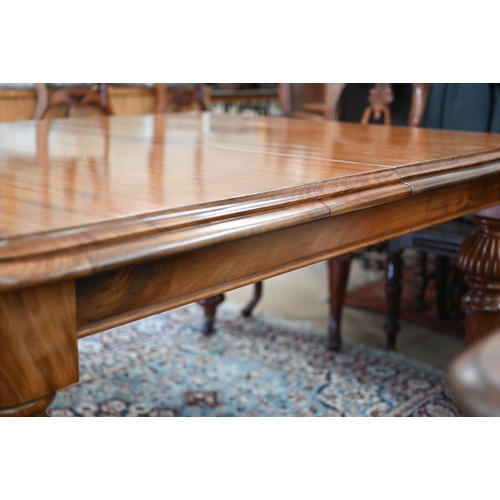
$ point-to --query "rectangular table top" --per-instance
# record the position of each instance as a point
(69, 186)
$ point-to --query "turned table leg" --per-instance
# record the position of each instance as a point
(38, 347)
(479, 259)
(210, 307)
(393, 290)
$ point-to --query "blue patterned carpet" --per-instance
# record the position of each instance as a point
(261, 366)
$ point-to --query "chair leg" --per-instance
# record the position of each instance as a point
(256, 297)
(393, 296)
(210, 306)
(338, 274)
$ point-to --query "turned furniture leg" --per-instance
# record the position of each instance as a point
(256, 297)
(479, 259)
(393, 296)
(38, 347)
(210, 306)
(338, 272)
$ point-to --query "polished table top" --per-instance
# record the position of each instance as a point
(72, 189)
(108, 220)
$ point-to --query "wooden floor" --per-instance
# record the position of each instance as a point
(302, 295)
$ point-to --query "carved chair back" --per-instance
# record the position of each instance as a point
(181, 99)
(315, 100)
(78, 100)
(380, 98)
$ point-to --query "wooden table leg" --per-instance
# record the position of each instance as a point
(479, 258)
(338, 272)
(210, 307)
(38, 347)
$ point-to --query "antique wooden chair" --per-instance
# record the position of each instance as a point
(77, 100)
(74, 102)
(442, 240)
(180, 98)
(380, 99)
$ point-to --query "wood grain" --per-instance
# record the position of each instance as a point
(38, 339)
(136, 291)
(100, 185)
(104, 220)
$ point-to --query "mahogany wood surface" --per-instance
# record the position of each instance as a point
(38, 352)
(109, 219)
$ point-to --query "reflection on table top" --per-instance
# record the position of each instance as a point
(65, 173)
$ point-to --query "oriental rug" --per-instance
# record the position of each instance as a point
(259, 366)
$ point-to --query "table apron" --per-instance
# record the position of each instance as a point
(136, 291)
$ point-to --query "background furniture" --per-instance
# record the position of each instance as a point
(472, 107)
(257, 97)
(18, 101)
(78, 101)
(442, 241)
(181, 98)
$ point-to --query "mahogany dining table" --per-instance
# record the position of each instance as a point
(106, 220)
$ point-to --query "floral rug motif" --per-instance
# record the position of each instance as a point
(260, 366)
